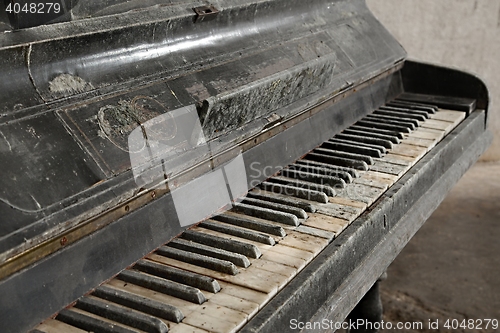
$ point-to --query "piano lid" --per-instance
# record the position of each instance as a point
(73, 94)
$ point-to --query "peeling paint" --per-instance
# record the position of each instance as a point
(225, 112)
(69, 84)
(116, 122)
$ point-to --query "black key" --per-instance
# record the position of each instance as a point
(372, 130)
(267, 214)
(272, 197)
(367, 159)
(412, 123)
(293, 191)
(241, 221)
(334, 168)
(381, 149)
(196, 259)
(245, 249)
(238, 232)
(90, 324)
(404, 110)
(388, 120)
(163, 286)
(344, 175)
(343, 162)
(430, 108)
(352, 148)
(382, 125)
(400, 114)
(189, 246)
(366, 139)
(314, 177)
(122, 315)
(328, 190)
(299, 212)
(174, 274)
(139, 303)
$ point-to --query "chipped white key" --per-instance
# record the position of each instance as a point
(381, 177)
(235, 303)
(348, 202)
(285, 259)
(403, 149)
(293, 252)
(370, 182)
(360, 192)
(398, 159)
(328, 223)
(183, 328)
(304, 242)
(427, 133)
(244, 293)
(275, 267)
(212, 324)
(346, 212)
(389, 168)
(426, 143)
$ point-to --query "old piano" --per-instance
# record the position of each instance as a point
(243, 165)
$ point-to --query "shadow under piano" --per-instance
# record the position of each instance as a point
(249, 166)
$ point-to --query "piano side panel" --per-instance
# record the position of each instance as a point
(431, 79)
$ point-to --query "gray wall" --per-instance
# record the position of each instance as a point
(464, 34)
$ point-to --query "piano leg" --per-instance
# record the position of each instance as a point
(369, 310)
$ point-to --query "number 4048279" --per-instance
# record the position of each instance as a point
(34, 8)
(454, 324)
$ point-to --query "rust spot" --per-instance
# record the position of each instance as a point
(63, 241)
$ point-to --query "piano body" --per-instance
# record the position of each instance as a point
(129, 122)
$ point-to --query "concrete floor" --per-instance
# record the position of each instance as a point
(451, 268)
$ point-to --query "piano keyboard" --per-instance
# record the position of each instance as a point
(218, 274)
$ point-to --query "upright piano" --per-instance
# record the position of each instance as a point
(223, 166)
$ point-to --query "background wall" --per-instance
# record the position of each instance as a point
(464, 34)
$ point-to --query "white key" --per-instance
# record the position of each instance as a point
(56, 326)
